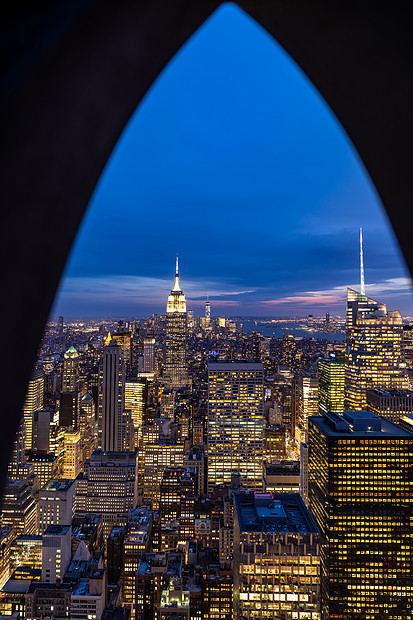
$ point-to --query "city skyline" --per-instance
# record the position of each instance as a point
(232, 129)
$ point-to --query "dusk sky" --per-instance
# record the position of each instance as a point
(234, 161)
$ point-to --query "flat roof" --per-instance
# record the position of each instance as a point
(235, 365)
(391, 392)
(358, 424)
(57, 530)
(16, 586)
(58, 485)
(273, 512)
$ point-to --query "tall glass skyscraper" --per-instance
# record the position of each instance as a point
(359, 481)
(374, 355)
(235, 423)
(331, 373)
(176, 370)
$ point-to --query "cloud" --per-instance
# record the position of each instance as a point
(143, 290)
(336, 296)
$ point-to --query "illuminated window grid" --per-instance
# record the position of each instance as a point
(235, 423)
(374, 357)
(362, 502)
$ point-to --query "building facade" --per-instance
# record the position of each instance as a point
(276, 558)
(111, 398)
(359, 479)
(331, 379)
(235, 423)
(176, 369)
(374, 354)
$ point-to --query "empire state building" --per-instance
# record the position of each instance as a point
(176, 371)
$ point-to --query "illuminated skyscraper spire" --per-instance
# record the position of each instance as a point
(175, 371)
(362, 289)
(176, 285)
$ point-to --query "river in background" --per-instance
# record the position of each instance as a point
(276, 330)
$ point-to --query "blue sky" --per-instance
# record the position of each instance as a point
(234, 161)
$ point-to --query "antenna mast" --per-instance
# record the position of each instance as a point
(362, 288)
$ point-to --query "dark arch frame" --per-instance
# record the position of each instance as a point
(72, 79)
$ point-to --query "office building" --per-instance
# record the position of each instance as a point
(45, 466)
(359, 482)
(16, 464)
(72, 455)
(136, 541)
(304, 472)
(114, 552)
(33, 402)
(208, 310)
(407, 340)
(390, 404)
(288, 352)
(331, 378)
(19, 507)
(170, 494)
(282, 477)
(374, 357)
(56, 502)
(111, 398)
(158, 455)
(42, 420)
(217, 596)
(273, 443)
(135, 396)
(235, 422)
(149, 351)
(176, 370)
(7, 535)
(68, 409)
(70, 374)
(108, 485)
(56, 552)
(276, 564)
(307, 405)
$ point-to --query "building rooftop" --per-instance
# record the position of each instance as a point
(273, 512)
(16, 586)
(234, 365)
(116, 532)
(283, 468)
(58, 485)
(388, 392)
(57, 530)
(358, 424)
(48, 457)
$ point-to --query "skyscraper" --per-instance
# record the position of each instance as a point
(33, 402)
(108, 486)
(111, 398)
(208, 310)
(288, 355)
(149, 351)
(374, 356)
(176, 371)
(70, 370)
(359, 478)
(235, 422)
(307, 405)
(331, 372)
